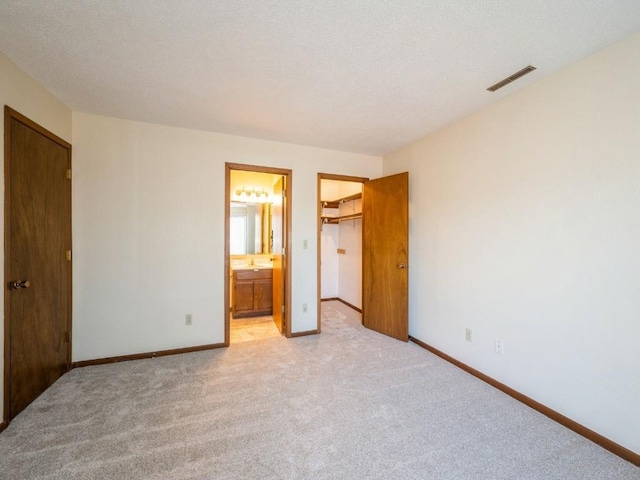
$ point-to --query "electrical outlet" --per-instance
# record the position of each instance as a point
(304, 308)
(499, 347)
(188, 319)
(305, 244)
(467, 335)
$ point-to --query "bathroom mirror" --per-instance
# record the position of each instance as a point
(249, 228)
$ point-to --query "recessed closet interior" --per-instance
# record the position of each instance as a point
(341, 241)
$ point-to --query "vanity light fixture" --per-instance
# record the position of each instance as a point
(249, 192)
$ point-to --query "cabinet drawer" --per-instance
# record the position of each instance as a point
(255, 274)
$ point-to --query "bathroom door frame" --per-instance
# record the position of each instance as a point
(286, 264)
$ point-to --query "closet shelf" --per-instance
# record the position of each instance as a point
(334, 220)
(336, 203)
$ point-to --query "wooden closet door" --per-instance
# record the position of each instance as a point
(385, 278)
(37, 261)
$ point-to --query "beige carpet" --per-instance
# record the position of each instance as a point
(346, 404)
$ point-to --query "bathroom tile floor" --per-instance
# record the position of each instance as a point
(249, 329)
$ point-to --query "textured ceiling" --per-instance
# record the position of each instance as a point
(365, 76)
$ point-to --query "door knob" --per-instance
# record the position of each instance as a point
(17, 285)
(402, 265)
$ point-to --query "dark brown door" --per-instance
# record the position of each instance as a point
(242, 297)
(385, 232)
(37, 261)
(264, 294)
(278, 253)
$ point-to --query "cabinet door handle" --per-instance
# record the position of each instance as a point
(402, 265)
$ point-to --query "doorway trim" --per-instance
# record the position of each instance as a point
(287, 225)
(9, 115)
(326, 176)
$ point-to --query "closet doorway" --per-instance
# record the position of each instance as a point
(257, 245)
(377, 214)
(340, 240)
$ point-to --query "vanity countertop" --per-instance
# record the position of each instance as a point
(252, 267)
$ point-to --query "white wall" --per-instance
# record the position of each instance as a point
(350, 272)
(25, 95)
(329, 239)
(525, 226)
(148, 212)
(329, 259)
(346, 189)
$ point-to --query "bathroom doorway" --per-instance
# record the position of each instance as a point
(257, 245)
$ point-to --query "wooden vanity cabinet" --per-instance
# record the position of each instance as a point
(252, 292)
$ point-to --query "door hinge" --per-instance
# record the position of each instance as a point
(282, 308)
(67, 255)
(68, 174)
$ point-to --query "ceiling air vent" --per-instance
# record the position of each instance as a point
(511, 78)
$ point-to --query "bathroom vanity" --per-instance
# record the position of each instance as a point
(252, 292)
